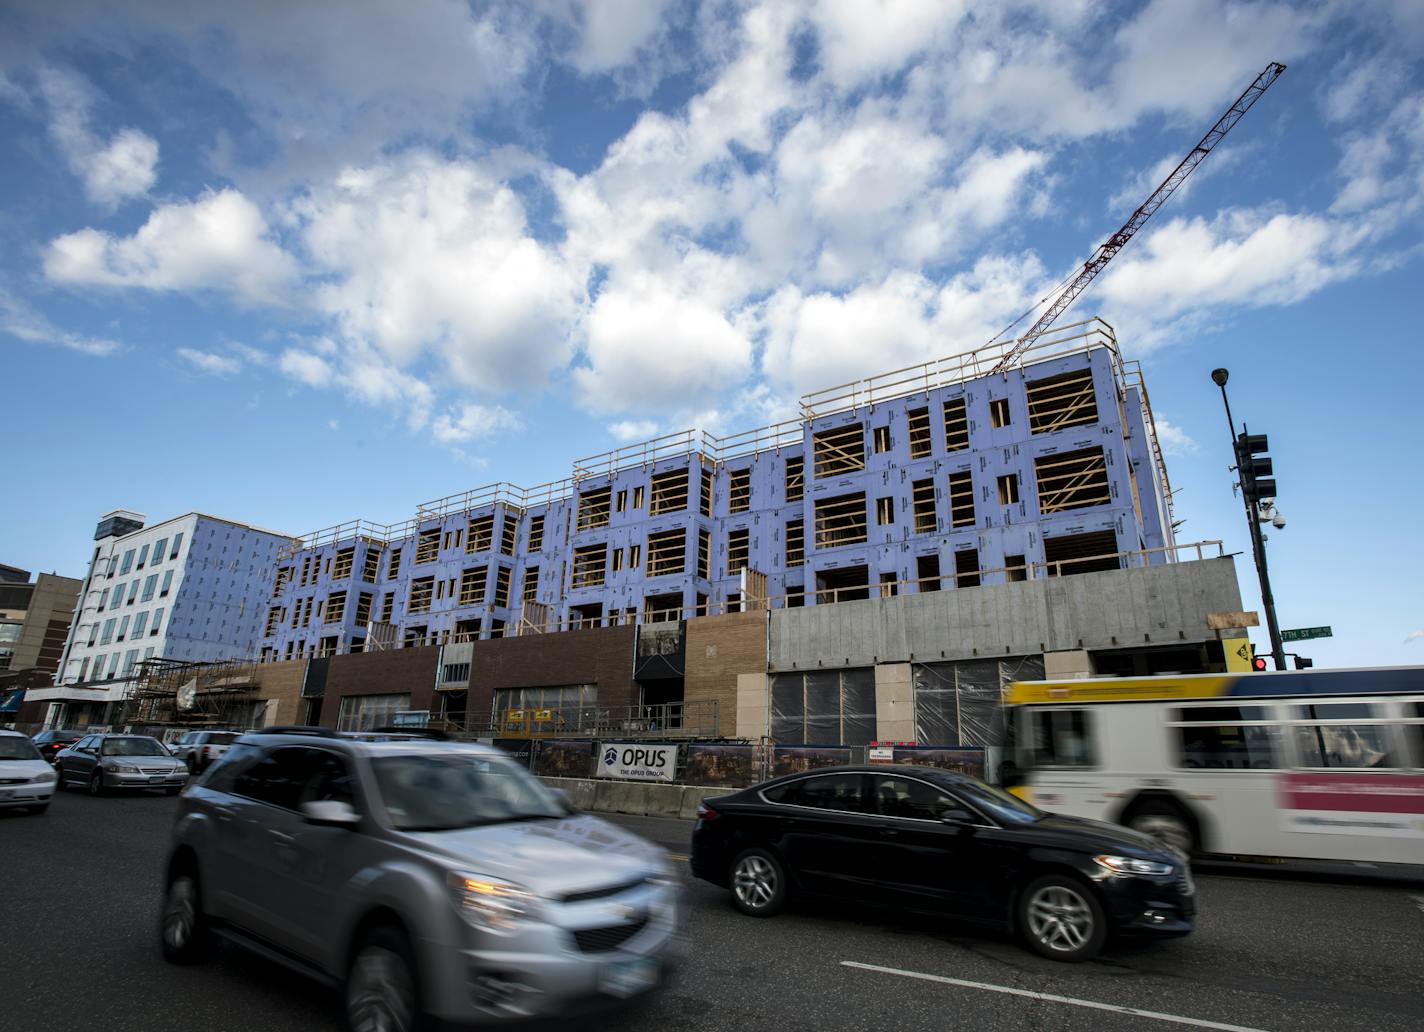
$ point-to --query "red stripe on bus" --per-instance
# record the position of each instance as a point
(1364, 793)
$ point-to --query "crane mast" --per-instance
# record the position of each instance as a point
(1115, 243)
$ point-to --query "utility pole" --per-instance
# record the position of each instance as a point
(1247, 470)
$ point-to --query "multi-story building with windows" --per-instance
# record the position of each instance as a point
(34, 621)
(939, 477)
(189, 589)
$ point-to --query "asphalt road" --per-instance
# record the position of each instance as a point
(79, 947)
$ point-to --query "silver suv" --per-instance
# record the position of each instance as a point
(430, 879)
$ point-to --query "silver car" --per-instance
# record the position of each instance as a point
(105, 762)
(26, 779)
(429, 879)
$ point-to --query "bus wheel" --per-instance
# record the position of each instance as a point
(1164, 822)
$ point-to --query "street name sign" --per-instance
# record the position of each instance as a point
(1305, 633)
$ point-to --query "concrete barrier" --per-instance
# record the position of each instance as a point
(637, 798)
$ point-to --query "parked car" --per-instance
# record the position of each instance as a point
(104, 762)
(428, 879)
(927, 840)
(26, 778)
(51, 741)
(200, 749)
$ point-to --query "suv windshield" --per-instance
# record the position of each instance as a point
(132, 747)
(1001, 805)
(444, 792)
(13, 747)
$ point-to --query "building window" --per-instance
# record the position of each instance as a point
(841, 521)
(335, 607)
(177, 546)
(274, 617)
(838, 450)
(956, 425)
(472, 585)
(795, 478)
(922, 501)
(501, 586)
(536, 533)
(158, 548)
(480, 536)
(140, 621)
(999, 415)
(1072, 480)
(590, 566)
(167, 585)
(880, 439)
(127, 563)
(669, 492)
(157, 620)
(961, 499)
(150, 585)
(421, 591)
(667, 552)
(133, 591)
(427, 546)
(593, 508)
(108, 634)
(142, 557)
(738, 549)
(637, 497)
(364, 712)
(393, 567)
(884, 511)
(345, 560)
(739, 492)
(1009, 489)
(123, 629)
(795, 542)
(919, 420)
(1059, 401)
(622, 501)
(103, 599)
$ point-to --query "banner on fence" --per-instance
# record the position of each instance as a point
(634, 761)
(964, 759)
(730, 765)
(564, 758)
(793, 759)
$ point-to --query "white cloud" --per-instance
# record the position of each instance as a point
(1414, 636)
(20, 320)
(1173, 439)
(863, 39)
(633, 429)
(220, 242)
(466, 422)
(613, 31)
(305, 367)
(207, 362)
(112, 172)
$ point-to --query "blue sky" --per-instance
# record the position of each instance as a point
(296, 266)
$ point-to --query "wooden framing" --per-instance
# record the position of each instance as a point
(1072, 480)
(363, 608)
(274, 617)
(335, 607)
(795, 478)
(667, 552)
(706, 492)
(472, 585)
(922, 503)
(966, 568)
(393, 567)
(919, 419)
(284, 575)
(956, 425)
(306, 570)
(961, 499)
(502, 575)
(593, 507)
(1068, 554)
(739, 490)
(704, 555)
(884, 511)
(635, 556)
(667, 606)
(345, 560)
(590, 566)
(1067, 399)
(838, 450)
(536, 533)
(841, 521)
(669, 492)
(427, 546)
(1008, 489)
(879, 439)
(509, 534)
(530, 588)
(479, 537)
(738, 549)
(1000, 415)
(371, 566)
(422, 590)
(795, 542)
(388, 605)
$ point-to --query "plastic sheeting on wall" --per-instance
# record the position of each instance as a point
(824, 707)
(961, 703)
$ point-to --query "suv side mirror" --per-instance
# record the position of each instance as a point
(956, 815)
(330, 813)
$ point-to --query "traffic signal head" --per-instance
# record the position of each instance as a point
(1258, 663)
(1255, 466)
(1302, 663)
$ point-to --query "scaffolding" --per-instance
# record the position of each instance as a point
(193, 694)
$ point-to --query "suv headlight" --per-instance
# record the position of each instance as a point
(1131, 865)
(490, 904)
(123, 768)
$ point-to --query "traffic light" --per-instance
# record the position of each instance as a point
(1255, 466)
(1301, 663)
(1258, 663)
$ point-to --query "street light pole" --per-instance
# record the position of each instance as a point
(1258, 543)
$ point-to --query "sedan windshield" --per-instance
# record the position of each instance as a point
(13, 747)
(1001, 805)
(443, 792)
(132, 747)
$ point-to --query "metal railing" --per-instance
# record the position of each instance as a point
(670, 720)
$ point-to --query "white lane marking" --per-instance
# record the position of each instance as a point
(1051, 998)
(1418, 902)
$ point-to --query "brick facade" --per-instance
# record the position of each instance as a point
(602, 656)
(718, 649)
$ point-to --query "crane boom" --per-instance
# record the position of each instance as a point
(1145, 211)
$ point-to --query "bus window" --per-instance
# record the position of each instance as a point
(1215, 738)
(1059, 738)
(1414, 729)
(1348, 745)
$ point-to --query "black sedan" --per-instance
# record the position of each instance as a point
(50, 742)
(928, 840)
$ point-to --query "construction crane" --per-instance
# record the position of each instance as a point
(1145, 211)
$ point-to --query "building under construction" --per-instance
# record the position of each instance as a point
(223, 694)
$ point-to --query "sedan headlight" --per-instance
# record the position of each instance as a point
(490, 904)
(123, 768)
(1131, 865)
(45, 778)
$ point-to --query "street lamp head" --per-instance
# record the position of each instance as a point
(1218, 377)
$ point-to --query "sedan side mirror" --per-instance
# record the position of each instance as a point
(330, 813)
(956, 815)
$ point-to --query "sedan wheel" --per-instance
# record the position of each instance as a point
(758, 883)
(96, 784)
(1062, 919)
(381, 991)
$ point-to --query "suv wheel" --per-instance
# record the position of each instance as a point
(183, 930)
(96, 784)
(1062, 919)
(758, 883)
(382, 990)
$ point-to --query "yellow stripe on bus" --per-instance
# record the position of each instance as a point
(1120, 689)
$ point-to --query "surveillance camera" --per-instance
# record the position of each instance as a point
(1279, 522)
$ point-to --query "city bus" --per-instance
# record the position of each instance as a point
(1313, 764)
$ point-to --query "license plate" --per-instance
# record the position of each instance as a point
(628, 977)
(157, 779)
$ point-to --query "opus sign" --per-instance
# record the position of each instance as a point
(637, 761)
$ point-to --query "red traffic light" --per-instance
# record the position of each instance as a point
(1259, 663)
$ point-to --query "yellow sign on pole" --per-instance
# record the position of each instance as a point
(1238, 655)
